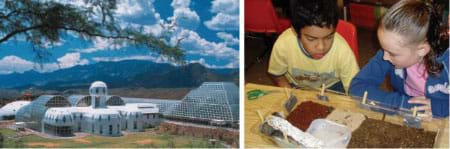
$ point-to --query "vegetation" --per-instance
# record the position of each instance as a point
(1, 140)
(43, 22)
(144, 139)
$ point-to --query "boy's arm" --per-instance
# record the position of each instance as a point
(280, 81)
(348, 67)
(371, 77)
(278, 65)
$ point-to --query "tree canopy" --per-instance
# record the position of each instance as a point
(40, 22)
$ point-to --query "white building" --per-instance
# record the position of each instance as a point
(9, 111)
(213, 103)
(97, 113)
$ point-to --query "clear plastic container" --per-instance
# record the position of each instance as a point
(333, 134)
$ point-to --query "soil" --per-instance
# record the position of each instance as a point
(144, 142)
(231, 137)
(45, 145)
(81, 140)
(380, 134)
(302, 116)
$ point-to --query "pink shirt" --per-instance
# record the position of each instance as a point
(416, 79)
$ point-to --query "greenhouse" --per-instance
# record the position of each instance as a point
(33, 114)
(215, 103)
(114, 101)
(80, 100)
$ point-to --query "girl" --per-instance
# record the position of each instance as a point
(413, 58)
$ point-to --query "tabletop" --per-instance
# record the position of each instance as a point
(275, 98)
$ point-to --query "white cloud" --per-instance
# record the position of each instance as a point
(228, 38)
(128, 8)
(78, 3)
(182, 24)
(227, 17)
(99, 44)
(153, 58)
(234, 64)
(186, 18)
(202, 62)
(138, 11)
(180, 3)
(223, 21)
(70, 60)
(226, 6)
(193, 44)
(82, 4)
(11, 63)
(156, 30)
(55, 44)
(183, 16)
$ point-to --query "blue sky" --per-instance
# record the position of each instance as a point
(209, 31)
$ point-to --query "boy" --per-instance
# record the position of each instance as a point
(311, 53)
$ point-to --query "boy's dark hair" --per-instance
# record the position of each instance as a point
(322, 13)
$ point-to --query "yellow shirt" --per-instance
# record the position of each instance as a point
(287, 59)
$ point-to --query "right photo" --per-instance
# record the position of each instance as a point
(346, 73)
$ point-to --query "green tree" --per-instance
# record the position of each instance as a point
(41, 22)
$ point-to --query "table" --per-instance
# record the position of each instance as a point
(274, 100)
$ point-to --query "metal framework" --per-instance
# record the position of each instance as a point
(114, 101)
(211, 102)
(33, 113)
(64, 131)
(80, 100)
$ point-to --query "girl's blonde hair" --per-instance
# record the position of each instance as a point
(418, 22)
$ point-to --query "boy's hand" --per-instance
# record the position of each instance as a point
(425, 106)
(281, 81)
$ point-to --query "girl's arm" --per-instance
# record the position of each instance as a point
(371, 77)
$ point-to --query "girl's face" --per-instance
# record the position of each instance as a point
(397, 51)
(316, 40)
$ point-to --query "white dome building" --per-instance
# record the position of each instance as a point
(97, 113)
(105, 122)
(9, 111)
(133, 121)
(58, 122)
(98, 92)
(213, 103)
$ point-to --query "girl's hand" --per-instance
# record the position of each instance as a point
(425, 106)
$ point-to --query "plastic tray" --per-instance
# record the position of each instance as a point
(333, 134)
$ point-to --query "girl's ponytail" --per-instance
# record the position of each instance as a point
(437, 42)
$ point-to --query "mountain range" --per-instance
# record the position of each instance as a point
(122, 74)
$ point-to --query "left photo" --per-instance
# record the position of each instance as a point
(109, 74)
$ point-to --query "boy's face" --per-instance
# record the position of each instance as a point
(316, 40)
(397, 51)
